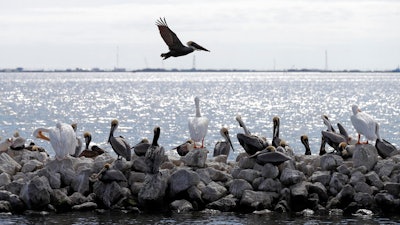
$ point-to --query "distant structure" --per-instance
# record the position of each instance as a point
(194, 63)
(326, 60)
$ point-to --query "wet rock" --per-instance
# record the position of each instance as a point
(5, 179)
(322, 177)
(270, 185)
(181, 206)
(319, 189)
(151, 196)
(78, 198)
(225, 204)
(248, 174)
(181, 180)
(364, 199)
(289, 177)
(108, 193)
(256, 200)
(330, 161)
(337, 182)
(282, 207)
(363, 187)
(270, 171)
(238, 186)
(195, 194)
(36, 193)
(299, 195)
(365, 155)
(86, 206)
(60, 200)
(392, 188)
(386, 202)
(5, 206)
(196, 158)
(213, 191)
(8, 165)
(346, 195)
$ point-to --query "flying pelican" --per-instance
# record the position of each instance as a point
(250, 143)
(364, 124)
(119, 144)
(275, 132)
(385, 148)
(304, 140)
(176, 48)
(78, 147)
(62, 138)
(90, 151)
(185, 148)
(198, 125)
(155, 154)
(223, 147)
(140, 148)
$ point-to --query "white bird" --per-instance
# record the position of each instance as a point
(79, 144)
(62, 138)
(198, 125)
(364, 124)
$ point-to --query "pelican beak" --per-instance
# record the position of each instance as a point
(198, 47)
(42, 136)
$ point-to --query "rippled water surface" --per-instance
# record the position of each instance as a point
(141, 101)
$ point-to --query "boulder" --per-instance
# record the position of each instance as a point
(256, 200)
(330, 161)
(152, 194)
(322, 177)
(181, 206)
(36, 193)
(181, 180)
(270, 185)
(365, 155)
(289, 177)
(225, 204)
(238, 186)
(8, 165)
(196, 158)
(5, 179)
(213, 191)
(270, 171)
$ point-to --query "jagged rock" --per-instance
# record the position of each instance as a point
(54, 178)
(80, 183)
(140, 165)
(337, 182)
(102, 160)
(363, 187)
(204, 175)
(373, 179)
(217, 175)
(195, 194)
(248, 174)
(270, 185)
(108, 193)
(36, 193)
(31, 165)
(246, 163)
(289, 177)
(356, 177)
(343, 169)
(256, 200)
(86, 206)
(60, 200)
(282, 207)
(181, 180)
(5, 179)
(386, 202)
(365, 155)
(78, 198)
(346, 195)
(270, 171)
(330, 161)
(364, 199)
(392, 188)
(299, 195)
(225, 204)
(15, 186)
(181, 206)
(319, 189)
(213, 191)
(153, 191)
(196, 158)
(384, 167)
(8, 165)
(322, 177)
(238, 186)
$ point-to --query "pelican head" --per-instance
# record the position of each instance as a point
(38, 133)
(114, 125)
(355, 109)
(276, 120)
(195, 46)
(74, 126)
(88, 138)
(271, 148)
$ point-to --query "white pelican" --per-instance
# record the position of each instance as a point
(184, 148)
(304, 140)
(223, 147)
(78, 147)
(155, 154)
(119, 144)
(198, 125)
(176, 48)
(250, 143)
(62, 138)
(364, 124)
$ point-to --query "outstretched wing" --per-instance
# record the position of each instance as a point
(168, 35)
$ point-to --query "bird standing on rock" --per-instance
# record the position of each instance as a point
(155, 154)
(185, 148)
(364, 125)
(119, 144)
(90, 151)
(223, 147)
(198, 125)
(250, 143)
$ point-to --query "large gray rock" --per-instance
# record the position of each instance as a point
(356, 177)
(213, 191)
(322, 177)
(392, 188)
(248, 174)
(108, 193)
(31, 166)
(8, 164)
(384, 167)
(60, 200)
(256, 200)
(365, 155)
(152, 194)
(80, 183)
(373, 179)
(270, 171)
(246, 162)
(238, 186)
(270, 185)
(337, 182)
(225, 204)
(181, 180)
(319, 189)
(36, 193)
(364, 200)
(330, 161)
(5, 179)
(196, 158)
(289, 177)
(299, 193)
(181, 206)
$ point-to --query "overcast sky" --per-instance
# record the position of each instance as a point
(240, 34)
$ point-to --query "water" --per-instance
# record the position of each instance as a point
(141, 101)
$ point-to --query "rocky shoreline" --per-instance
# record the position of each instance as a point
(327, 184)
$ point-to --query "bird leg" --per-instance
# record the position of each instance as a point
(202, 143)
(358, 141)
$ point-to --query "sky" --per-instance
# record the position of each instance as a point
(240, 34)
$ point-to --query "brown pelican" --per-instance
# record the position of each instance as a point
(140, 148)
(322, 150)
(385, 148)
(285, 148)
(304, 140)
(184, 148)
(108, 174)
(176, 48)
(78, 147)
(250, 143)
(223, 147)
(155, 154)
(198, 125)
(62, 138)
(275, 132)
(18, 142)
(328, 123)
(330, 136)
(119, 144)
(364, 124)
(90, 151)
(270, 155)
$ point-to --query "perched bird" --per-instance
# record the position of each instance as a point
(5, 145)
(330, 136)
(304, 140)
(176, 48)
(270, 155)
(78, 147)
(119, 144)
(328, 123)
(285, 149)
(198, 125)
(346, 150)
(90, 151)
(185, 148)
(250, 143)
(62, 138)
(364, 124)
(223, 147)
(275, 132)
(18, 142)
(155, 154)
(385, 148)
(108, 174)
(140, 148)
